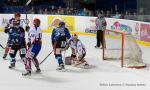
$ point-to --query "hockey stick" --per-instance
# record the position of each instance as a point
(46, 57)
(49, 53)
(27, 22)
(2, 46)
(28, 3)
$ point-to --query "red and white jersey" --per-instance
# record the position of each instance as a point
(35, 34)
(78, 47)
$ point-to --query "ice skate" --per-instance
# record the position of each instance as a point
(11, 66)
(38, 70)
(98, 47)
(61, 68)
(28, 73)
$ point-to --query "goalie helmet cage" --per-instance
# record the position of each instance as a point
(123, 47)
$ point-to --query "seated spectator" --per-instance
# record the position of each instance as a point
(108, 14)
(117, 15)
(45, 11)
(32, 10)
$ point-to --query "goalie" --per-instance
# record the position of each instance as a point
(77, 47)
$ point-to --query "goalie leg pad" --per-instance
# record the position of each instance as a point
(68, 61)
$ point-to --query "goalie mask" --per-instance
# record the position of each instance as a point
(74, 36)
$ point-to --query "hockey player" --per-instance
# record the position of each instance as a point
(77, 47)
(16, 42)
(59, 38)
(34, 47)
(9, 25)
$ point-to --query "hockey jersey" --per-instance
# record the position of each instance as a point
(60, 34)
(16, 36)
(35, 35)
(78, 47)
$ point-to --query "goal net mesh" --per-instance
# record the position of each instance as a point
(122, 47)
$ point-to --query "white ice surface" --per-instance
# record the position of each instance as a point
(104, 72)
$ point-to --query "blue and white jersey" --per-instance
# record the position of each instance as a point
(60, 34)
(15, 36)
(35, 35)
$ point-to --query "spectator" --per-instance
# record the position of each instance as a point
(62, 12)
(40, 11)
(108, 14)
(134, 16)
(83, 12)
(117, 15)
(97, 12)
(121, 16)
(127, 15)
(32, 11)
(45, 11)
(90, 13)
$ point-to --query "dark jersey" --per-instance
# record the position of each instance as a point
(16, 36)
(60, 35)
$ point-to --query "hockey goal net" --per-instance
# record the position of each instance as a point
(123, 47)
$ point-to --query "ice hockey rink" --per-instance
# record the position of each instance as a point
(105, 75)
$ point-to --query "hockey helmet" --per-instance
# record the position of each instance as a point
(36, 22)
(61, 23)
(17, 15)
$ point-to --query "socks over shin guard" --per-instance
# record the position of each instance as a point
(6, 50)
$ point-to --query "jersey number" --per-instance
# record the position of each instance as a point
(63, 44)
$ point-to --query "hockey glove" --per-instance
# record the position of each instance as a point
(29, 44)
(27, 28)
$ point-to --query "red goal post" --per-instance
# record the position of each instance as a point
(122, 46)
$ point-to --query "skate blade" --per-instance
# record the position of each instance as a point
(62, 70)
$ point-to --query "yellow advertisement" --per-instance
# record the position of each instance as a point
(53, 21)
(1, 29)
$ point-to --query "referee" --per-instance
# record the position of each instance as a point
(100, 26)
